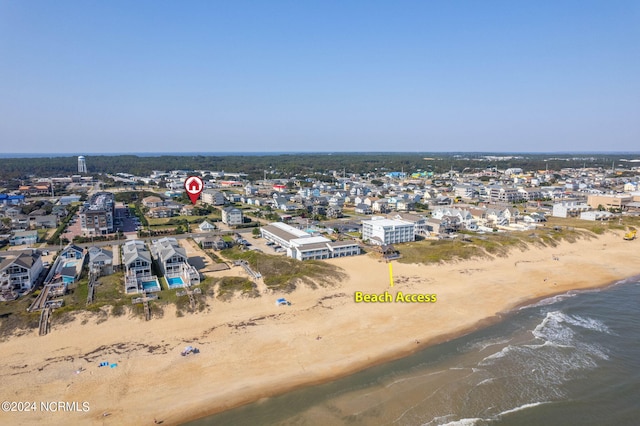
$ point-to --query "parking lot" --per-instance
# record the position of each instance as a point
(264, 245)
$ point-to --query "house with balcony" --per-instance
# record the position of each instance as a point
(232, 216)
(173, 263)
(152, 201)
(19, 273)
(101, 260)
(569, 209)
(24, 237)
(137, 263)
(419, 222)
(160, 212)
(213, 197)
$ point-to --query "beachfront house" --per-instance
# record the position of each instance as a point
(419, 222)
(137, 262)
(19, 273)
(173, 263)
(101, 260)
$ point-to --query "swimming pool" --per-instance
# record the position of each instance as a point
(175, 281)
(70, 264)
(150, 285)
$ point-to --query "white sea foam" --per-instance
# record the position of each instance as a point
(503, 352)
(555, 329)
(522, 407)
(486, 381)
(551, 329)
(464, 422)
(588, 323)
(484, 344)
(550, 300)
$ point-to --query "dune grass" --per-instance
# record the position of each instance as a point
(283, 273)
(469, 246)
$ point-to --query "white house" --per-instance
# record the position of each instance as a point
(173, 262)
(213, 197)
(205, 226)
(137, 262)
(419, 222)
(19, 274)
(569, 208)
(101, 260)
(23, 237)
(232, 216)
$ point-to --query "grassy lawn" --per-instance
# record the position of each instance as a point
(282, 273)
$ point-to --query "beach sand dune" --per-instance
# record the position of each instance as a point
(250, 348)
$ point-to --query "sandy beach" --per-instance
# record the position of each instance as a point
(252, 349)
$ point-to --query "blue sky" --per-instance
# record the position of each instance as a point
(207, 76)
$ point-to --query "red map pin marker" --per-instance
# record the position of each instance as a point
(194, 186)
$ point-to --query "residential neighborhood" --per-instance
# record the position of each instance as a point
(145, 228)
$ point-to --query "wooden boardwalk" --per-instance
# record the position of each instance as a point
(45, 321)
(190, 293)
(94, 273)
(145, 304)
(38, 302)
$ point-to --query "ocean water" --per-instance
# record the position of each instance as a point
(572, 359)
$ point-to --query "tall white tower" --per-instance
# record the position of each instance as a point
(82, 164)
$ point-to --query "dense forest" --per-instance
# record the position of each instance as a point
(302, 164)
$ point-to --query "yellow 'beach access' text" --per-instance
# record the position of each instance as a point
(399, 297)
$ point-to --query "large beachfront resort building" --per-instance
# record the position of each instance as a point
(303, 246)
(383, 231)
(172, 260)
(96, 217)
(137, 263)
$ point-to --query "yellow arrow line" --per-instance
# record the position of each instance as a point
(390, 274)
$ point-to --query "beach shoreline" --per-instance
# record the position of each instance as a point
(252, 349)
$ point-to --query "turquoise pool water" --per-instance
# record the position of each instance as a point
(150, 285)
(70, 264)
(175, 281)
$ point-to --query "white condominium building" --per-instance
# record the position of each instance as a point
(379, 230)
(302, 246)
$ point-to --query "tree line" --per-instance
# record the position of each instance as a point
(302, 165)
